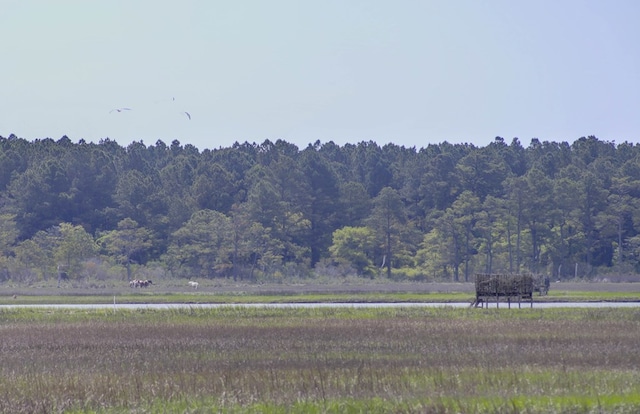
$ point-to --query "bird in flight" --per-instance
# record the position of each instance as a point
(119, 109)
(187, 114)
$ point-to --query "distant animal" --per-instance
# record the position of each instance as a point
(193, 284)
(137, 283)
(187, 114)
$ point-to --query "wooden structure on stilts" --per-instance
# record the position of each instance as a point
(503, 287)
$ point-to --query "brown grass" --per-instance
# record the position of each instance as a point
(237, 358)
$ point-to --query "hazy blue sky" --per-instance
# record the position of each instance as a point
(406, 72)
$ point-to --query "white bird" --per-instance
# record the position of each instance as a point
(119, 109)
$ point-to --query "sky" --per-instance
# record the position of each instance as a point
(406, 72)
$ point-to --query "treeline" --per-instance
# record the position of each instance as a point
(273, 210)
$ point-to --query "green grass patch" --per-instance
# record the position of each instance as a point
(262, 315)
(243, 298)
(620, 404)
(235, 298)
(594, 296)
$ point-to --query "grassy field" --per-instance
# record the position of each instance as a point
(266, 360)
(176, 292)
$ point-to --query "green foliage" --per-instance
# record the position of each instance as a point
(36, 254)
(387, 218)
(448, 210)
(410, 274)
(8, 233)
(355, 245)
(203, 243)
(125, 242)
(73, 245)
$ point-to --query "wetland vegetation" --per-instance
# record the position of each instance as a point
(208, 292)
(238, 359)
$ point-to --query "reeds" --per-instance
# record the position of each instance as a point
(322, 360)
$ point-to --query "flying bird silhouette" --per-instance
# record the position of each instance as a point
(188, 115)
(119, 109)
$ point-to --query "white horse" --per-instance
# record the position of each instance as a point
(193, 284)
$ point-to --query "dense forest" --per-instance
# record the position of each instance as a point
(273, 211)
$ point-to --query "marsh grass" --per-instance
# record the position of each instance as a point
(580, 296)
(232, 298)
(165, 292)
(242, 298)
(238, 359)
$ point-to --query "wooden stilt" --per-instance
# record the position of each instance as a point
(509, 286)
